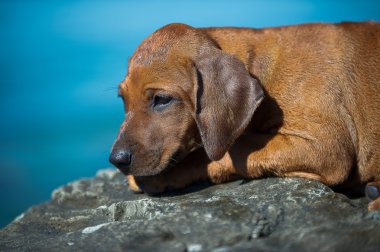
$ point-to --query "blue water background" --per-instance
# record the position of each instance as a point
(61, 61)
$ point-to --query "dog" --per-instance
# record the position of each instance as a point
(223, 103)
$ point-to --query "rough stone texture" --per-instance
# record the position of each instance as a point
(273, 214)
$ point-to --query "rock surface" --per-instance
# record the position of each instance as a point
(272, 214)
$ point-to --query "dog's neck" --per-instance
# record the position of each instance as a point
(249, 45)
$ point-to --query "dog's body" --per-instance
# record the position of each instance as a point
(205, 87)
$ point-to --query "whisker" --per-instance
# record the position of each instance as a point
(199, 144)
(171, 164)
(111, 88)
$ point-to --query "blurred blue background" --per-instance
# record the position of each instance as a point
(61, 61)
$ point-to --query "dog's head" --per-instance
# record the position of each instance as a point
(181, 92)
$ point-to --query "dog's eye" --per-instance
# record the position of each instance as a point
(161, 101)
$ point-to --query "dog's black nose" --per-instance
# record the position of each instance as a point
(121, 158)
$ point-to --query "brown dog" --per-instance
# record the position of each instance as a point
(222, 103)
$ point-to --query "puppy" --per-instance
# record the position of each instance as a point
(224, 103)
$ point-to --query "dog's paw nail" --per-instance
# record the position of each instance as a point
(372, 192)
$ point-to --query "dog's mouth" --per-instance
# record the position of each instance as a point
(171, 163)
(165, 166)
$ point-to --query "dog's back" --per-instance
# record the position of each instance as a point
(317, 74)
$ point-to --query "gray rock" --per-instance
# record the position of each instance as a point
(272, 214)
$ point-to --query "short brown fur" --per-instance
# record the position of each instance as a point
(319, 118)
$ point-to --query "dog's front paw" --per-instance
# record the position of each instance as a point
(133, 185)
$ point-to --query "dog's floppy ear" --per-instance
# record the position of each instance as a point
(226, 96)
